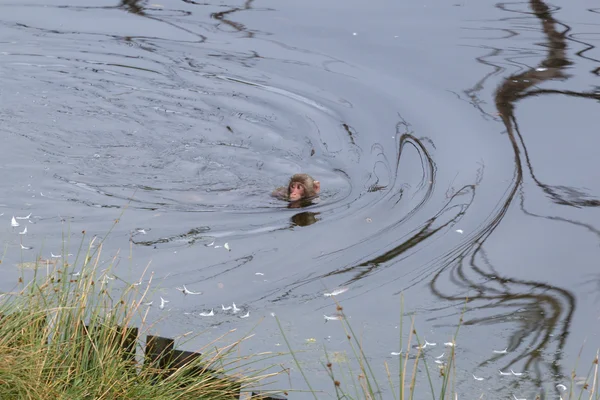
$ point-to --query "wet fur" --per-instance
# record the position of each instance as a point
(283, 193)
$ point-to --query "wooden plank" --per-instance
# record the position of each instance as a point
(266, 395)
(158, 351)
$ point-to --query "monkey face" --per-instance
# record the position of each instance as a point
(297, 191)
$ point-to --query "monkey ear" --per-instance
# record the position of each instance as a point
(317, 186)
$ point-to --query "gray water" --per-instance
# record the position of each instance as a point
(455, 143)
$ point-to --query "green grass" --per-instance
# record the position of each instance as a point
(60, 339)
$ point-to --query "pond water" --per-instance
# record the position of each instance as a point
(456, 145)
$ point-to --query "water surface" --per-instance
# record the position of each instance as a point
(455, 143)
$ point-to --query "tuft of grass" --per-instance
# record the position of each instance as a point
(363, 384)
(65, 336)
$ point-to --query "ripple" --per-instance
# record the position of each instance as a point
(179, 120)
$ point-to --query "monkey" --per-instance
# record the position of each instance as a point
(301, 188)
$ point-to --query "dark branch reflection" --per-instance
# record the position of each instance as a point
(447, 215)
(221, 16)
(138, 7)
(542, 312)
(133, 6)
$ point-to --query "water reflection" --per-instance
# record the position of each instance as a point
(542, 312)
(453, 210)
(188, 238)
(139, 7)
(133, 6)
(305, 218)
(205, 123)
(222, 16)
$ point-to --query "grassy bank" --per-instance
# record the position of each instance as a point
(60, 338)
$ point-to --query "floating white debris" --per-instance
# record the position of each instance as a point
(259, 273)
(516, 398)
(68, 255)
(501, 351)
(185, 290)
(245, 315)
(216, 247)
(438, 357)
(504, 373)
(336, 292)
(24, 232)
(148, 303)
(25, 247)
(354, 33)
(226, 245)
(459, 231)
(429, 344)
(107, 278)
(162, 303)
(210, 244)
(78, 273)
(332, 318)
(142, 231)
(396, 353)
(27, 217)
(449, 344)
(272, 314)
(368, 220)
(438, 361)
(207, 314)
(541, 69)
(516, 373)
(13, 222)
(225, 308)
(235, 309)
(477, 378)
(561, 387)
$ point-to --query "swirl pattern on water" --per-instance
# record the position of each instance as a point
(173, 120)
(187, 138)
(195, 117)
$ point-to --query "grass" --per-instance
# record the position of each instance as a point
(356, 380)
(60, 338)
(362, 383)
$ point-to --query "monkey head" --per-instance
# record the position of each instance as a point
(302, 186)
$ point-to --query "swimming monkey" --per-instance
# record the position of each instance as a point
(300, 187)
